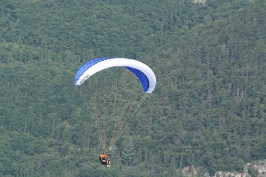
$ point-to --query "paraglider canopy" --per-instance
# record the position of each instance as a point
(144, 73)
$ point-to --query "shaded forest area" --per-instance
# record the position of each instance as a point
(208, 108)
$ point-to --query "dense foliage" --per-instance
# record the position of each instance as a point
(208, 109)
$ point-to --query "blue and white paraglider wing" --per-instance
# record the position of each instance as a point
(144, 73)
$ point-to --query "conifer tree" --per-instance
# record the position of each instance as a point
(128, 152)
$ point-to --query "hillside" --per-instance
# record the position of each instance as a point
(208, 108)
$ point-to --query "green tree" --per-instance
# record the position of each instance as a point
(252, 171)
(128, 153)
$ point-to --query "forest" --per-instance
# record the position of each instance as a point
(207, 110)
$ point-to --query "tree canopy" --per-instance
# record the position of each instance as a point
(208, 108)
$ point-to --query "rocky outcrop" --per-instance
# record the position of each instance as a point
(200, 1)
(255, 169)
